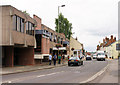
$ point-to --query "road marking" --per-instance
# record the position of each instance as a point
(19, 70)
(51, 74)
(96, 75)
(40, 76)
(9, 81)
(32, 77)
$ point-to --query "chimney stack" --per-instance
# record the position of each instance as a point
(111, 36)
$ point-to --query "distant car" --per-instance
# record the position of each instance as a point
(94, 56)
(75, 61)
(88, 57)
(101, 56)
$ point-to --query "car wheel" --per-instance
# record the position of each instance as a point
(78, 64)
(68, 64)
(82, 63)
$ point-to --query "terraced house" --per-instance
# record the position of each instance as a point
(48, 42)
(17, 37)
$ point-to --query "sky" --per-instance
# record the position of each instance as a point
(92, 20)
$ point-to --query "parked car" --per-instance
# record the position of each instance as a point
(101, 55)
(88, 57)
(94, 56)
(75, 61)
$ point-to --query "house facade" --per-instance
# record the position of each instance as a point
(75, 45)
(112, 51)
(109, 47)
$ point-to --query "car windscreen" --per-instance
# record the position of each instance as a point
(88, 56)
(73, 58)
(100, 54)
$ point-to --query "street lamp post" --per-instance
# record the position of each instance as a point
(58, 15)
(58, 20)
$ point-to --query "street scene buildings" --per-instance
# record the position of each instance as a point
(26, 41)
(48, 41)
(109, 46)
(36, 49)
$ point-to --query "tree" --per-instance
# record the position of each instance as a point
(64, 26)
(25, 12)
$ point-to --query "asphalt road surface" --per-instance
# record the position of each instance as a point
(64, 74)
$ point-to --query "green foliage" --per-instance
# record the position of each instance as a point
(64, 26)
(25, 12)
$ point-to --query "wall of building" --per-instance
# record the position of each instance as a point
(74, 44)
(9, 36)
(25, 56)
(13, 38)
(111, 50)
(8, 56)
(45, 46)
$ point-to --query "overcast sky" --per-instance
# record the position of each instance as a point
(92, 20)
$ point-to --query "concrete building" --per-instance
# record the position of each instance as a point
(17, 37)
(75, 45)
(47, 41)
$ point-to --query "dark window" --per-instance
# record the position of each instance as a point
(22, 25)
(14, 22)
(18, 23)
(38, 44)
(29, 28)
(33, 29)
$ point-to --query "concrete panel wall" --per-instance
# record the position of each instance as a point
(10, 37)
(18, 37)
(5, 26)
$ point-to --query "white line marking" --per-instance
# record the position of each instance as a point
(51, 74)
(40, 76)
(9, 81)
(31, 77)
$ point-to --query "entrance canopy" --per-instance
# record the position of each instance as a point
(60, 48)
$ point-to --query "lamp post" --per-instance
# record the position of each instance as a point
(58, 21)
(58, 15)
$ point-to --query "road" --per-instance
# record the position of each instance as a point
(64, 74)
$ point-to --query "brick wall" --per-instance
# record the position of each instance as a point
(26, 56)
(45, 46)
(38, 20)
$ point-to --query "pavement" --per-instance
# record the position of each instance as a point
(20, 69)
(110, 75)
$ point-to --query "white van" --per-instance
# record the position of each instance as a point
(100, 55)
